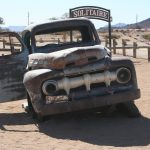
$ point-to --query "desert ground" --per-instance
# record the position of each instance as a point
(79, 131)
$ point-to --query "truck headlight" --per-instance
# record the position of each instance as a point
(123, 75)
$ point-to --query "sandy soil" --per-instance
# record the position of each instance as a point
(79, 132)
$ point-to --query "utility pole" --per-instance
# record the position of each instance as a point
(28, 18)
(137, 21)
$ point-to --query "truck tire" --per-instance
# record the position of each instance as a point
(129, 108)
(34, 115)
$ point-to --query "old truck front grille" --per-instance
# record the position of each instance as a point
(120, 75)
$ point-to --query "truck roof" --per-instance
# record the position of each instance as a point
(70, 21)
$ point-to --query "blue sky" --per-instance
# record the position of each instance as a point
(14, 12)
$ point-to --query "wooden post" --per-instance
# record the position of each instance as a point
(106, 42)
(148, 53)
(3, 44)
(114, 45)
(134, 49)
(64, 37)
(123, 47)
(58, 40)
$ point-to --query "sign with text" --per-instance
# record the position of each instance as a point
(91, 13)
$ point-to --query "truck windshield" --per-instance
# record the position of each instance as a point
(65, 36)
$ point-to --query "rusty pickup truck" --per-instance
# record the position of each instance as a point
(68, 70)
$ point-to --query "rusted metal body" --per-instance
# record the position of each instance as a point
(68, 57)
(73, 72)
(77, 76)
(12, 69)
(79, 98)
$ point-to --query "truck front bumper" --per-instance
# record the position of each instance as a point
(88, 103)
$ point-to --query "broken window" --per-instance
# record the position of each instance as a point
(9, 45)
(57, 38)
(63, 36)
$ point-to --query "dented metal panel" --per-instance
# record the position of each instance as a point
(67, 58)
(76, 76)
(12, 69)
(80, 98)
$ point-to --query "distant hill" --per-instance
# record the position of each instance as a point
(13, 28)
(119, 25)
(145, 24)
(115, 26)
(16, 28)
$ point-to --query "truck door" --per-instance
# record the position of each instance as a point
(13, 61)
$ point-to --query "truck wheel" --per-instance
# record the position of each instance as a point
(34, 115)
(129, 108)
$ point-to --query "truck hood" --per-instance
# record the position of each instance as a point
(75, 56)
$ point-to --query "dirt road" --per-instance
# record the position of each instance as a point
(79, 132)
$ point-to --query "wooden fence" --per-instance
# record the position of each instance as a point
(134, 49)
(124, 48)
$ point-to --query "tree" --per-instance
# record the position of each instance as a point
(1, 20)
(53, 18)
(65, 15)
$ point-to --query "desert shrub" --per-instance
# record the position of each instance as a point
(116, 30)
(114, 36)
(146, 36)
(123, 31)
(124, 42)
(127, 40)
